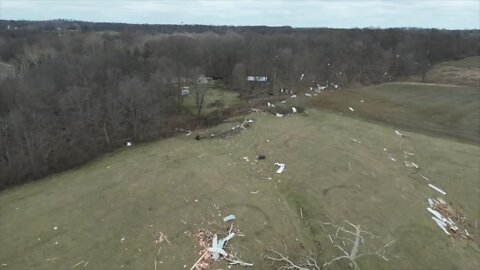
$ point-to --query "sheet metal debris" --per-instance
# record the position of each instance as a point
(281, 167)
(228, 218)
(449, 221)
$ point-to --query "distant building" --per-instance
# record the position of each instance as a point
(257, 78)
(185, 91)
(202, 79)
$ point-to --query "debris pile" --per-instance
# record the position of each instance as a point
(213, 247)
(450, 221)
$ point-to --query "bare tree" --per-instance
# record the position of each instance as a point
(352, 240)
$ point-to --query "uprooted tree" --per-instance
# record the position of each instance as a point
(351, 242)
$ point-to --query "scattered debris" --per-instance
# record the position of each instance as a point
(451, 222)
(188, 132)
(308, 94)
(399, 134)
(246, 159)
(425, 178)
(410, 164)
(55, 228)
(77, 264)
(362, 100)
(283, 101)
(216, 250)
(294, 110)
(122, 239)
(392, 158)
(293, 96)
(357, 141)
(279, 115)
(129, 143)
(437, 189)
(228, 218)
(50, 259)
(281, 167)
(254, 192)
(351, 109)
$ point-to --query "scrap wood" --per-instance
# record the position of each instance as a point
(77, 264)
(451, 222)
(437, 189)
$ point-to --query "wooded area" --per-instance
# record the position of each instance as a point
(75, 90)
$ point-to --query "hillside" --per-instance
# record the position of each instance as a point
(465, 71)
(104, 215)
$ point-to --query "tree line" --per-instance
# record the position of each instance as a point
(77, 89)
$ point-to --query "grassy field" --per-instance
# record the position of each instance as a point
(105, 213)
(462, 72)
(216, 98)
(439, 110)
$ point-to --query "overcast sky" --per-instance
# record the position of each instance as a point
(449, 14)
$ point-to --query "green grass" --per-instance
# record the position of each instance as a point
(216, 98)
(437, 110)
(173, 185)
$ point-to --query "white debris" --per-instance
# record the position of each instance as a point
(398, 133)
(308, 94)
(437, 189)
(123, 239)
(441, 224)
(410, 164)
(351, 109)
(279, 115)
(228, 218)
(357, 141)
(294, 110)
(362, 101)
(283, 101)
(392, 158)
(129, 143)
(301, 77)
(55, 228)
(217, 246)
(281, 167)
(245, 158)
(254, 192)
(293, 96)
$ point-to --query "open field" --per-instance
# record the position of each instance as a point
(463, 72)
(106, 212)
(438, 110)
(216, 98)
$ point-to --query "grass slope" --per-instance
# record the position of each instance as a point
(438, 110)
(463, 72)
(174, 186)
